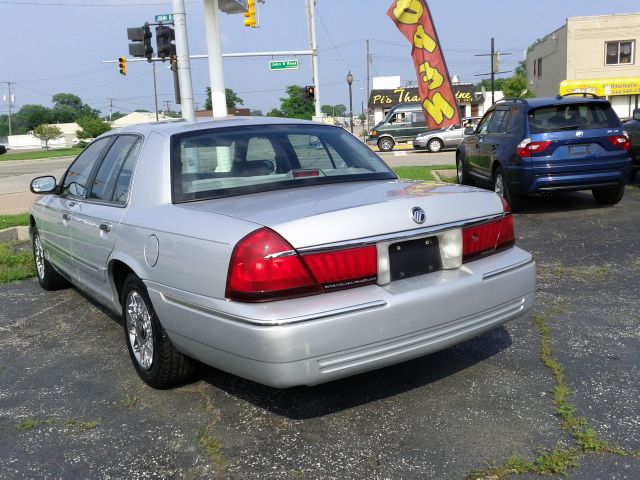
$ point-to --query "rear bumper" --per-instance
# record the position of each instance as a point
(527, 180)
(316, 339)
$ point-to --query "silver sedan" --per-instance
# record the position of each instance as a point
(282, 251)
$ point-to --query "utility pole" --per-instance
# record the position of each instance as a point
(214, 45)
(310, 6)
(184, 65)
(495, 67)
(166, 103)
(368, 93)
(110, 108)
(9, 99)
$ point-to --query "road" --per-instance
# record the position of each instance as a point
(16, 175)
(71, 405)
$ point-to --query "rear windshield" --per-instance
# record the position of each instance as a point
(574, 116)
(230, 161)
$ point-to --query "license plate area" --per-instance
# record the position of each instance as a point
(414, 257)
(579, 149)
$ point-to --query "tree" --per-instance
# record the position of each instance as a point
(115, 116)
(295, 105)
(63, 114)
(256, 113)
(516, 87)
(91, 127)
(486, 83)
(29, 117)
(334, 110)
(232, 98)
(46, 133)
(68, 102)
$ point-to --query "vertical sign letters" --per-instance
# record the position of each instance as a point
(413, 19)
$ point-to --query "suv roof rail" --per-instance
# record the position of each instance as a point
(505, 99)
(584, 94)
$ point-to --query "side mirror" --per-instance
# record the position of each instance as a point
(41, 185)
(469, 130)
(636, 114)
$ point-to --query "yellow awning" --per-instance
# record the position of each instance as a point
(603, 87)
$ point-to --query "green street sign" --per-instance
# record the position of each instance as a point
(167, 17)
(284, 65)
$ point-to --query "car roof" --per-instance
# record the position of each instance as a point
(170, 127)
(547, 101)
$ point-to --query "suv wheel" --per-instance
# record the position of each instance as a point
(461, 175)
(386, 144)
(501, 187)
(435, 145)
(634, 174)
(608, 196)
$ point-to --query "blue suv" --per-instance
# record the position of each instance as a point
(541, 145)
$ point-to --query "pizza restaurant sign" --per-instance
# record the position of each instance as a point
(388, 98)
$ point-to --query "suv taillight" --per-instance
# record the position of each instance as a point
(265, 267)
(489, 237)
(620, 141)
(527, 148)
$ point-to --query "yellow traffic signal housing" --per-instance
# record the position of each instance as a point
(250, 14)
(122, 63)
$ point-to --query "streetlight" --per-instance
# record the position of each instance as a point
(350, 81)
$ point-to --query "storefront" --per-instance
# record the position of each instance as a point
(623, 93)
(471, 103)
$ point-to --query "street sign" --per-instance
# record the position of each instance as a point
(167, 17)
(284, 64)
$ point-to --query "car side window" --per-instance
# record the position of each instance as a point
(75, 181)
(499, 122)
(418, 118)
(112, 166)
(484, 123)
(121, 189)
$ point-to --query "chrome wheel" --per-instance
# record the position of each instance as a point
(140, 329)
(435, 146)
(39, 256)
(460, 172)
(499, 186)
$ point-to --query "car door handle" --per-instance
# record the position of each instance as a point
(105, 227)
(66, 216)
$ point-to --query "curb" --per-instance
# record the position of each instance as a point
(14, 234)
(448, 176)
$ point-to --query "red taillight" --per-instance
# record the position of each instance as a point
(265, 267)
(527, 148)
(344, 268)
(488, 237)
(620, 141)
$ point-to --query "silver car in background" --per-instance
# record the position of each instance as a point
(282, 251)
(450, 137)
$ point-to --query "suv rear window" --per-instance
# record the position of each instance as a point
(572, 116)
(230, 161)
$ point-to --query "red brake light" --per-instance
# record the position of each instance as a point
(344, 268)
(527, 148)
(264, 266)
(488, 237)
(620, 141)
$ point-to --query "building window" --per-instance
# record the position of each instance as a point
(538, 72)
(619, 53)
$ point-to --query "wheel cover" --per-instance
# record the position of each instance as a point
(434, 146)
(385, 144)
(499, 185)
(39, 256)
(139, 329)
(460, 171)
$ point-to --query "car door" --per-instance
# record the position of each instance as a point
(453, 136)
(492, 142)
(95, 221)
(418, 124)
(473, 147)
(57, 209)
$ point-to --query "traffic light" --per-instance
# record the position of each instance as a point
(250, 14)
(122, 63)
(310, 92)
(141, 42)
(164, 36)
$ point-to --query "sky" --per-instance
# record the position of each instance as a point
(57, 46)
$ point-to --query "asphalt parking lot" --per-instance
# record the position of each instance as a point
(566, 378)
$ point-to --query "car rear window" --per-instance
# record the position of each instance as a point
(230, 161)
(572, 116)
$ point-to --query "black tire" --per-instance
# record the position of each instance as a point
(608, 196)
(164, 366)
(386, 144)
(501, 187)
(48, 277)
(634, 175)
(462, 177)
(435, 145)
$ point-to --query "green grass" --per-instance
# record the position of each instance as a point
(212, 446)
(7, 221)
(40, 154)
(15, 265)
(420, 173)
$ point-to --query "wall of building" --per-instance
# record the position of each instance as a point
(551, 53)
(586, 45)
